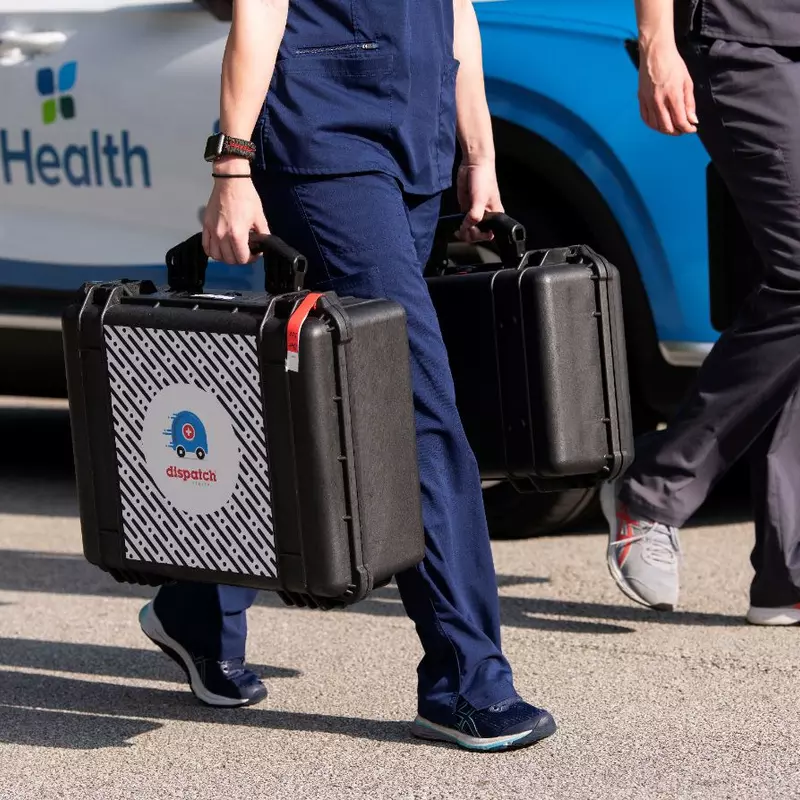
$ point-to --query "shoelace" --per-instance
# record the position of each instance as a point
(660, 543)
(504, 705)
(232, 669)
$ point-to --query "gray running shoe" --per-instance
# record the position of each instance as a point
(643, 555)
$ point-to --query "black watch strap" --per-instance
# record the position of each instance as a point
(221, 145)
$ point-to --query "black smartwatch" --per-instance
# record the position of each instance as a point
(220, 145)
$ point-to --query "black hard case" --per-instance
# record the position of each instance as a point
(537, 351)
(340, 441)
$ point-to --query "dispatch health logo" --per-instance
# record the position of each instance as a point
(56, 91)
(97, 159)
(187, 435)
(188, 438)
(190, 449)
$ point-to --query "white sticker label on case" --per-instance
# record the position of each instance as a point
(190, 450)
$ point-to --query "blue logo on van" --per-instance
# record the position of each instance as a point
(99, 159)
(58, 101)
(188, 435)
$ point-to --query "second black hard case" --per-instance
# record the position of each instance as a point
(537, 350)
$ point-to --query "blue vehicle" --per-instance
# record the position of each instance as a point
(575, 164)
(187, 435)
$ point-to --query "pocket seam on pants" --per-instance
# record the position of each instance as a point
(780, 156)
(303, 211)
(334, 284)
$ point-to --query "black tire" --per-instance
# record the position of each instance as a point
(200, 453)
(512, 515)
(180, 451)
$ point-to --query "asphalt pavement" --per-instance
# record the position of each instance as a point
(692, 704)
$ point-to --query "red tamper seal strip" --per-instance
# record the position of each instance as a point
(293, 328)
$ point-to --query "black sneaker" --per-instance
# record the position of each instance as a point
(215, 683)
(508, 725)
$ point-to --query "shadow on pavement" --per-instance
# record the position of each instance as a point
(62, 712)
(35, 727)
(549, 614)
(60, 573)
(70, 573)
(116, 662)
(36, 471)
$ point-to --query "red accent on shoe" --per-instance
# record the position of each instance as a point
(624, 531)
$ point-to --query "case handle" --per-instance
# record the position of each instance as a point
(556, 256)
(284, 267)
(509, 236)
(186, 265)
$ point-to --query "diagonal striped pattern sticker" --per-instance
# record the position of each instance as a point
(191, 449)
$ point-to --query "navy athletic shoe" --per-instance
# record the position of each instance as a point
(508, 725)
(226, 684)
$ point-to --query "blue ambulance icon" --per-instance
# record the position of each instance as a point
(188, 435)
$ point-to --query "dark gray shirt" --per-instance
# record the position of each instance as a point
(769, 22)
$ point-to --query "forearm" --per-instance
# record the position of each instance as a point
(252, 48)
(656, 21)
(474, 120)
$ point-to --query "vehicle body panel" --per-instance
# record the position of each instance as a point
(568, 78)
(106, 191)
(110, 190)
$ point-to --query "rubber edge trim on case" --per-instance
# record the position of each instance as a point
(612, 354)
(340, 320)
(331, 312)
(101, 297)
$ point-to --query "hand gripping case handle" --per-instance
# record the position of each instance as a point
(284, 267)
(509, 236)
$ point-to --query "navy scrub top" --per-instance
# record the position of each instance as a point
(364, 86)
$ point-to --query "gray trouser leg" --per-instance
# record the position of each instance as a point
(748, 102)
(774, 468)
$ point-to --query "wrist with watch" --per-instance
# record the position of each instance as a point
(221, 146)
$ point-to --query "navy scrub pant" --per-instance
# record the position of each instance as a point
(363, 236)
(746, 400)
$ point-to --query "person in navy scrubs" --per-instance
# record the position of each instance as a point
(346, 160)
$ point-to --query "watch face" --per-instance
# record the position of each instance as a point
(214, 146)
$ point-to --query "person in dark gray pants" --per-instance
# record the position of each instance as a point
(733, 75)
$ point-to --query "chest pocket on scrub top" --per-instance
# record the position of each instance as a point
(322, 97)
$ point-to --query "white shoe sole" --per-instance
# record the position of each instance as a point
(774, 616)
(153, 629)
(608, 503)
(424, 729)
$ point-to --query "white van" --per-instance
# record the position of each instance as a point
(105, 107)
